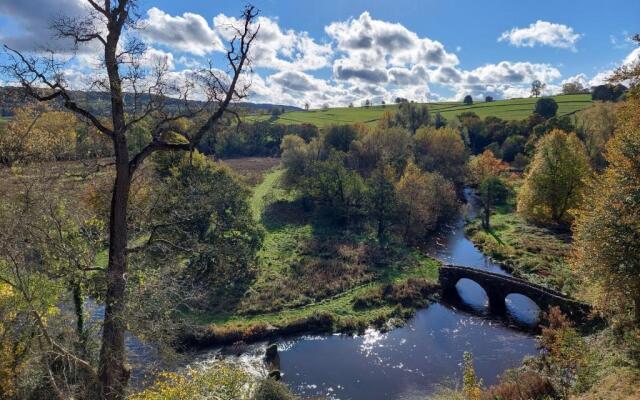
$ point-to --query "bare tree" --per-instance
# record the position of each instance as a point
(136, 93)
(537, 87)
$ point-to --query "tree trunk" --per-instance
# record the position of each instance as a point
(79, 310)
(486, 217)
(114, 374)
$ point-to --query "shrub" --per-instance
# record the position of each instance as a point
(521, 385)
(220, 381)
(546, 107)
(270, 389)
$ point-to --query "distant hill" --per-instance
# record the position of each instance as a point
(513, 109)
(98, 102)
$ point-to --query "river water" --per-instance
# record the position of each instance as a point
(412, 361)
(407, 363)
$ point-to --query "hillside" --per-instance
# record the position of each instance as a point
(514, 109)
(98, 102)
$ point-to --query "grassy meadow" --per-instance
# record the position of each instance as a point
(288, 288)
(513, 109)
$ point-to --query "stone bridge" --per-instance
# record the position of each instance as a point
(498, 287)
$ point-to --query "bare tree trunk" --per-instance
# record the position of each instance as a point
(79, 310)
(114, 374)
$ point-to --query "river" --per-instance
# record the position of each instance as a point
(412, 361)
(409, 362)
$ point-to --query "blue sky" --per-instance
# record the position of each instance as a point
(338, 52)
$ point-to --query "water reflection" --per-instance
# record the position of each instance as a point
(473, 295)
(522, 309)
(405, 363)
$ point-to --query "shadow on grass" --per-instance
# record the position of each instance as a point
(494, 235)
(281, 213)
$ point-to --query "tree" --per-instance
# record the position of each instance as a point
(595, 127)
(339, 137)
(536, 88)
(38, 135)
(488, 99)
(493, 191)
(306, 106)
(608, 92)
(425, 200)
(513, 146)
(411, 116)
(439, 121)
(441, 150)
(204, 215)
(384, 103)
(468, 100)
(381, 200)
(546, 107)
(389, 146)
(42, 79)
(556, 179)
(572, 88)
(367, 103)
(607, 233)
(483, 166)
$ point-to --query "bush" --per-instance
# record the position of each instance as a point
(270, 389)
(521, 385)
(546, 107)
(220, 381)
(411, 293)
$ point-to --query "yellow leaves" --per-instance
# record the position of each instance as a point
(220, 381)
(485, 165)
(39, 135)
(471, 386)
(556, 180)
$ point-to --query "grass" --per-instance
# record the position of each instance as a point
(513, 109)
(533, 252)
(306, 268)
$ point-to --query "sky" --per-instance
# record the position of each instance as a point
(337, 52)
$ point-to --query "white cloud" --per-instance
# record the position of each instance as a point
(542, 33)
(277, 49)
(502, 80)
(580, 78)
(388, 42)
(187, 33)
(633, 58)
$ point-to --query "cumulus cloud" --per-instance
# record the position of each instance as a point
(277, 49)
(542, 33)
(501, 80)
(35, 17)
(391, 42)
(188, 33)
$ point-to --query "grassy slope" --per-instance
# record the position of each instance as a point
(282, 248)
(514, 109)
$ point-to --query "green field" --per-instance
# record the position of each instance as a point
(514, 109)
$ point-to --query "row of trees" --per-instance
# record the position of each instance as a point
(383, 176)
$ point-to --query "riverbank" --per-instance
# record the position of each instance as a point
(535, 253)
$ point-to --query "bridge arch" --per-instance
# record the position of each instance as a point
(522, 308)
(472, 294)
